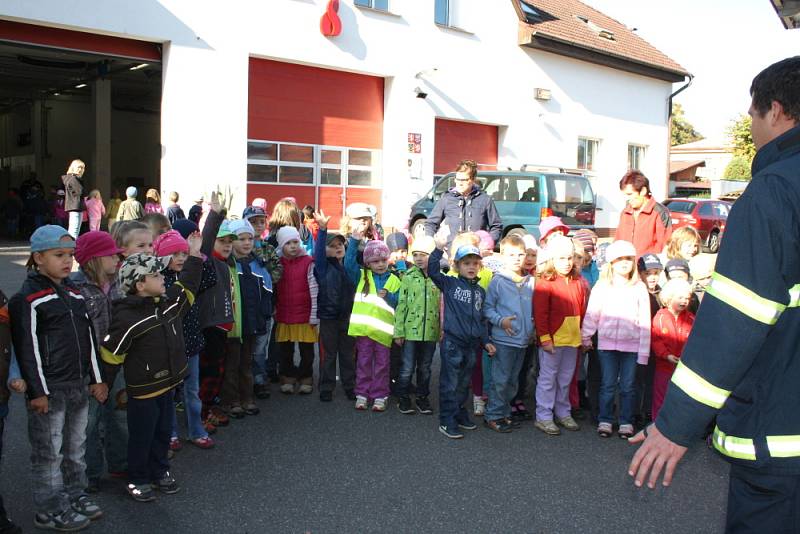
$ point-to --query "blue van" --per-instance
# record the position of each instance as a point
(522, 198)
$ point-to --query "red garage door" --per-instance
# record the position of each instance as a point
(456, 141)
(314, 134)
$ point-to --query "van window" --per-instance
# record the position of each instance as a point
(513, 188)
(571, 198)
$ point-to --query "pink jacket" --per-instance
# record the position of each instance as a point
(621, 317)
(96, 210)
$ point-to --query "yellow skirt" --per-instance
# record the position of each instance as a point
(304, 333)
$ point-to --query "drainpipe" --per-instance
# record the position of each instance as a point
(669, 116)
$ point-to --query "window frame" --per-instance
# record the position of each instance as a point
(588, 140)
(370, 4)
(632, 147)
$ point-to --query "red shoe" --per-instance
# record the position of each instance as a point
(175, 444)
(203, 443)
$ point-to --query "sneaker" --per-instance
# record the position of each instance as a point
(237, 412)
(175, 444)
(251, 409)
(350, 394)
(605, 430)
(498, 425)
(404, 406)
(478, 405)
(361, 403)
(220, 416)
(451, 432)
(67, 521)
(625, 431)
(424, 406)
(305, 389)
(209, 426)
(521, 412)
(167, 484)
(326, 396)
(513, 423)
(379, 405)
(141, 492)
(85, 506)
(548, 427)
(203, 443)
(569, 423)
(261, 391)
(466, 424)
(287, 389)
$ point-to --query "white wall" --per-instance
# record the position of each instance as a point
(483, 76)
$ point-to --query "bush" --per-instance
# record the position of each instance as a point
(738, 169)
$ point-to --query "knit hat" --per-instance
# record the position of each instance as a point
(466, 250)
(49, 236)
(95, 244)
(530, 242)
(587, 239)
(136, 267)
(185, 227)
(559, 245)
(677, 265)
(360, 209)
(241, 226)
(424, 244)
(225, 230)
(260, 203)
(286, 234)
(253, 211)
(551, 224)
(169, 243)
(620, 249)
(375, 251)
(650, 261)
(331, 237)
(131, 192)
(397, 241)
(487, 242)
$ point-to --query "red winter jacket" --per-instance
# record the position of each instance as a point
(297, 292)
(668, 336)
(558, 309)
(649, 231)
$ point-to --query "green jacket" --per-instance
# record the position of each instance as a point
(417, 315)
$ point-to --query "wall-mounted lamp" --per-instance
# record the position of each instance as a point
(542, 94)
(420, 93)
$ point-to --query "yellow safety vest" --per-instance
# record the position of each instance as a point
(372, 316)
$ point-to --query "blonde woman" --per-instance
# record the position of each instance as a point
(73, 198)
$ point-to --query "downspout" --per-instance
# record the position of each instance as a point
(669, 122)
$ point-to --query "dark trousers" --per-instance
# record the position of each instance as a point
(395, 364)
(4, 522)
(523, 381)
(458, 361)
(149, 431)
(336, 346)
(273, 357)
(645, 376)
(212, 366)
(297, 373)
(419, 355)
(237, 382)
(759, 502)
(593, 383)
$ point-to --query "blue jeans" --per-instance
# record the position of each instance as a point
(617, 368)
(113, 448)
(506, 364)
(75, 219)
(419, 354)
(192, 405)
(259, 366)
(458, 360)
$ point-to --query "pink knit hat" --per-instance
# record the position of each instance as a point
(375, 250)
(169, 243)
(551, 224)
(95, 244)
(487, 241)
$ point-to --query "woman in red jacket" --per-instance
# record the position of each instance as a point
(671, 327)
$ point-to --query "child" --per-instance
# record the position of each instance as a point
(157, 223)
(559, 304)
(549, 227)
(360, 215)
(153, 202)
(372, 319)
(265, 252)
(398, 256)
(416, 328)
(284, 214)
(132, 237)
(519, 411)
(7, 380)
(650, 270)
(684, 244)
(255, 302)
(492, 262)
(174, 211)
(309, 221)
(509, 311)
(588, 246)
(619, 311)
(130, 209)
(196, 211)
(334, 304)
(296, 312)
(98, 256)
(146, 337)
(112, 209)
(49, 313)
(95, 209)
(465, 328)
(671, 328)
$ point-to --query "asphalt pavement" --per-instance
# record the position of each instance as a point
(305, 466)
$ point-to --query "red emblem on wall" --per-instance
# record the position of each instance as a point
(330, 24)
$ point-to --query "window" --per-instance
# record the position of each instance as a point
(531, 15)
(382, 5)
(441, 13)
(721, 210)
(679, 206)
(636, 155)
(706, 210)
(587, 153)
(513, 189)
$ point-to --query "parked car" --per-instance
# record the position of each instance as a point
(706, 216)
(522, 199)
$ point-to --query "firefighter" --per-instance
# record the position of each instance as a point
(742, 360)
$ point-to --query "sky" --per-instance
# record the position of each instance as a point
(723, 43)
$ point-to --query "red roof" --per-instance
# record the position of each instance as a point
(572, 28)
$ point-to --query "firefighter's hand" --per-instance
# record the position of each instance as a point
(99, 392)
(399, 341)
(39, 404)
(656, 454)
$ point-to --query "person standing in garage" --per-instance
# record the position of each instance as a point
(73, 200)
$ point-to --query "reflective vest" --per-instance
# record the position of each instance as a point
(372, 316)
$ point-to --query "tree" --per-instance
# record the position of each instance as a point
(738, 169)
(682, 130)
(742, 138)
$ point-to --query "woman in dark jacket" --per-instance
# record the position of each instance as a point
(73, 201)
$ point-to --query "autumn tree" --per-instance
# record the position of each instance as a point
(682, 130)
(741, 137)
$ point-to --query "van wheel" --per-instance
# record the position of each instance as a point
(713, 242)
(418, 227)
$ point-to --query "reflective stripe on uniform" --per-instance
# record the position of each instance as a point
(742, 299)
(698, 387)
(794, 296)
(783, 446)
(734, 447)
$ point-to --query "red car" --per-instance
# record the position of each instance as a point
(706, 216)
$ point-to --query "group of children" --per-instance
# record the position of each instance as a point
(216, 315)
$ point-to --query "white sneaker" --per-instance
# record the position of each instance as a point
(305, 389)
(379, 405)
(478, 405)
(361, 403)
(287, 388)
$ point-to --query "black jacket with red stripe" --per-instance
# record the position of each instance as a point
(53, 336)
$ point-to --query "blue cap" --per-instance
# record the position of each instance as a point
(131, 192)
(49, 236)
(241, 226)
(466, 250)
(253, 211)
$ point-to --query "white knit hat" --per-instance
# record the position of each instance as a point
(286, 234)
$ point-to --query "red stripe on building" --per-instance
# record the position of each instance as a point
(457, 140)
